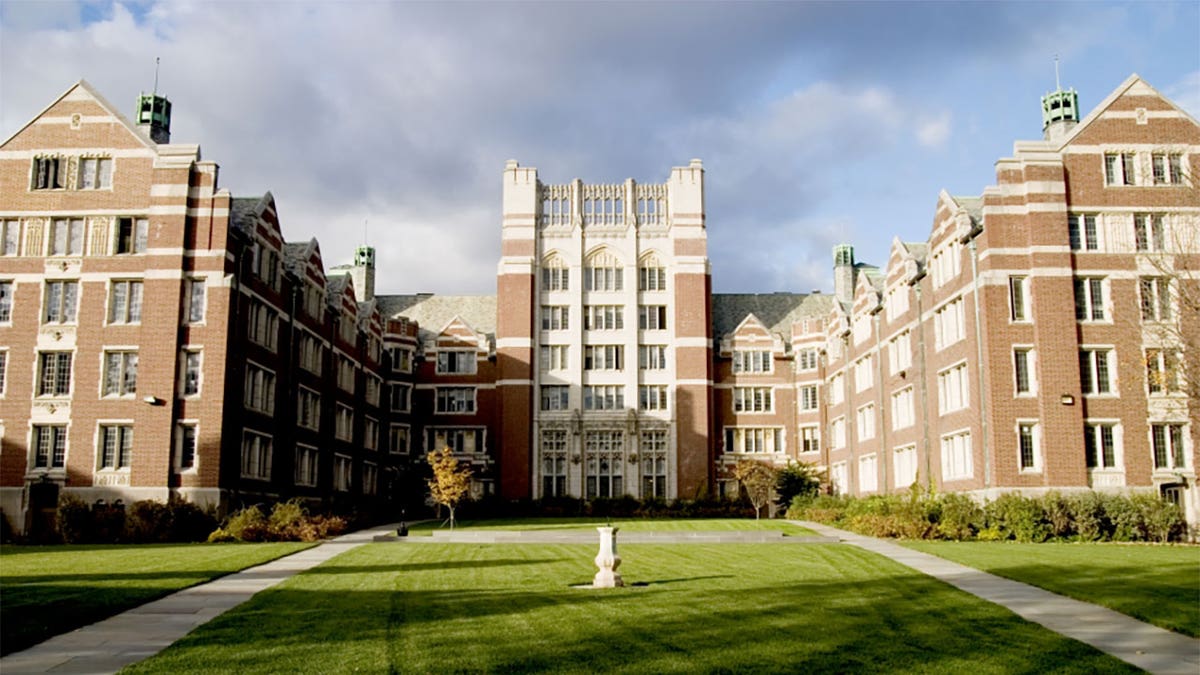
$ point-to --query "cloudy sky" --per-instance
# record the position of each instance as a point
(817, 123)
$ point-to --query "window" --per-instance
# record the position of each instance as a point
(459, 440)
(1095, 376)
(1089, 299)
(345, 374)
(312, 353)
(370, 439)
(603, 317)
(837, 433)
(1168, 168)
(864, 373)
(839, 478)
(808, 397)
(555, 397)
(807, 359)
(1118, 168)
(314, 301)
(953, 393)
(456, 362)
(343, 472)
(66, 236)
(401, 358)
(132, 234)
(604, 452)
(603, 357)
(868, 477)
(603, 211)
(1081, 232)
(125, 302)
(306, 465)
(266, 265)
(345, 324)
(554, 463)
(946, 264)
(49, 173)
(185, 446)
(3, 369)
(752, 399)
(191, 373)
(603, 397)
(837, 389)
(810, 439)
(1018, 291)
(1027, 452)
(556, 210)
(956, 456)
(903, 409)
(1162, 371)
(603, 278)
(768, 440)
(752, 361)
(455, 400)
(1167, 443)
(652, 397)
(1154, 296)
(652, 357)
(308, 409)
(1023, 370)
(370, 478)
(651, 210)
(195, 300)
(54, 374)
(6, 301)
(1148, 232)
(865, 419)
(652, 317)
(401, 397)
(896, 303)
(262, 325)
(1099, 441)
(10, 237)
(398, 439)
(95, 173)
(555, 317)
(904, 466)
(49, 446)
(652, 279)
(556, 279)
(116, 446)
(259, 389)
(62, 301)
(653, 450)
(861, 326)
(900, 353)
(373, 385)
(949, 324)
(343, 423)
(555, 357)
(120, 373)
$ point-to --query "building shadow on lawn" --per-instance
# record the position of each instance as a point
(334, 568)
(887, 623)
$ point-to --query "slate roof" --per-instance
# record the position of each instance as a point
(334, 285)
(242, 213)
(777, 311)
(433, 312)
(295, 256)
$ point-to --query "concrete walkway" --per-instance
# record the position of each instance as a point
(144, 631)
(1148, 647)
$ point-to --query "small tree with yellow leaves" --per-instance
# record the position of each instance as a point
(758, 479)
(450, 482)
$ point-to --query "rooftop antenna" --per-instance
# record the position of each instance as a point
(1057, 86)
(365, 222)
(156, 62)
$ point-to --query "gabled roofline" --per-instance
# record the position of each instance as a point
(1108, 101)
(104, 103)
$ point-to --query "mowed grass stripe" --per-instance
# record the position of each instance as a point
(589, 524)
(1157, 584)
(48, 590)
(706, 608)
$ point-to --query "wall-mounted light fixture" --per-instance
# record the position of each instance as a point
(152, 400)
(1067, 399)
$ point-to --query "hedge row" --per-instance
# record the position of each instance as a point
(289, 521)
(607, 507)
(145, 522)
(1081, 516)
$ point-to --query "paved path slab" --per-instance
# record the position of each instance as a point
(1148, 647)
(142, 632)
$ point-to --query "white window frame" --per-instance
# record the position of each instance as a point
(1029, 431)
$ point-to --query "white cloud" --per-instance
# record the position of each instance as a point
(933, 133)
(1186, 93)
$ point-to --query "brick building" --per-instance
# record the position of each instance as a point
(1039, 339)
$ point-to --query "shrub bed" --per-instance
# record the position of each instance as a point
(143, 522)
(1082, 516)
(289, 521)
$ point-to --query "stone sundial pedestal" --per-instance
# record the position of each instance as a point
(607, 560)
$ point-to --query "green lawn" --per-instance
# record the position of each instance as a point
(626, 524)
(1158, 584)
(702, 608)
(48, 590)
